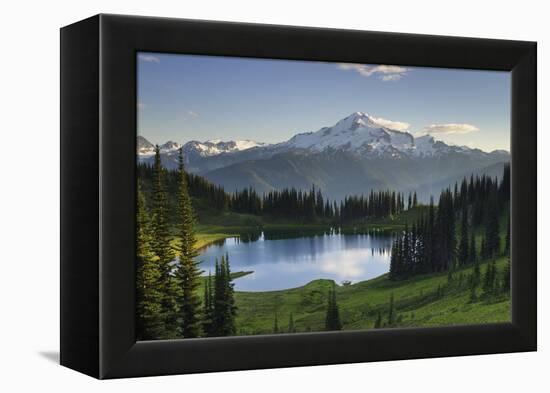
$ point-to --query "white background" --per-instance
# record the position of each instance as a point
(29, 219)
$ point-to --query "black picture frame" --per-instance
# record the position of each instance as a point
(98, 188)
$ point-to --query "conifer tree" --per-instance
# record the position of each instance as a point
(430, 239)
(224, 301)
(463, 251)
(463, 200)
(483, 248)
(413, 252)
(332, 320)
(504, 187)
(406, 251)
(208, 307)
(445, 232)
(489, 278)
(150, 321)
(319, 202)
(492, 236)
(188, 271)
(291, 327)
(476, 275)
(230, 299)
(311, 215)
(161, 247)
(472, 257)
(395, 268)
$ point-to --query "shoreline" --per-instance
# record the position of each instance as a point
(206, 238)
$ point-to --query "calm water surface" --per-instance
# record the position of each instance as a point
(292, 262)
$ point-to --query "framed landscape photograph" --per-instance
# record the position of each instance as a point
(360, 224)
(298, 196)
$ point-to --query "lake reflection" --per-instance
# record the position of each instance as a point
(292, 262)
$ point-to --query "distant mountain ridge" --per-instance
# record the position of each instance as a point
(358, 133)
(356, 154)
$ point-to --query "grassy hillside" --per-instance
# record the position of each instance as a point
(430, 300)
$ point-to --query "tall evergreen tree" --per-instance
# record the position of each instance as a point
(492, 236)
(463, 247)
(395, 268)
(472, 257)
(291, 327)
(504, 188)
(161, 247)
(332, 320)
(430, 239)
(224, 301)
(311, 215)
(406, 251)
(188, 271)
(476, 275)
(445, 227)
(150, 321)
(489, 278)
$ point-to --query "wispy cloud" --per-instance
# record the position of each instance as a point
(448, 129)
(394, 125)
(188, 115)
(149, 58)
(140, 105)
(386, 73)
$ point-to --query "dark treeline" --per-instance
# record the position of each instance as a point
(312, 206)
(168, 274)
(290, 203)
(215, 196)
(433, 244)
(377, 204)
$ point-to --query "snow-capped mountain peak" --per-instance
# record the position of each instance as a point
(204, 149)
(356, 120)
(369, 136)
(144, 147)
(169, 147)
(358, 132)
(216, 146)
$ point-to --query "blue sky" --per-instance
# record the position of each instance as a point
(187, 97)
